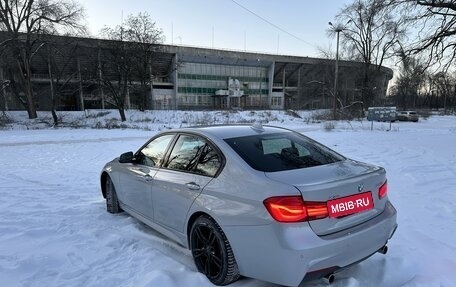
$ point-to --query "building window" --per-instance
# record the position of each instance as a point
(276, 101)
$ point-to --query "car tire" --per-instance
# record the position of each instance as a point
(112, 203)
(212, 252)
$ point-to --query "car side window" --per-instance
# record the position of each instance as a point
(209, 162)
(193, 154)
(152, 154)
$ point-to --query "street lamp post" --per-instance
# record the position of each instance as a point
(337, 29)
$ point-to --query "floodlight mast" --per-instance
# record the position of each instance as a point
(337, 29)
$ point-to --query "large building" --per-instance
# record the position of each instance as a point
(196, 78)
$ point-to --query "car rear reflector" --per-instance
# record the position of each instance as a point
(294, 209)
(383, 190)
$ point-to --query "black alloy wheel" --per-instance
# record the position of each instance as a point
(112, 203)
(212, 252)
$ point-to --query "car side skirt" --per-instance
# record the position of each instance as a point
(179, 238)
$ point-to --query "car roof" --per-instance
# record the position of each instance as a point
(232, 131)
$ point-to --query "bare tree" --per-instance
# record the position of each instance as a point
(3, 103)
(144, 35)
(25, 21)
(60, 55)
(371, 32)
(117, 64)
(410, 82)
(444, 87)
(8, 67)
(329, 52)
(129, 58)
(434, 23)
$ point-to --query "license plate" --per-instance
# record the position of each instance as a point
(350, 204)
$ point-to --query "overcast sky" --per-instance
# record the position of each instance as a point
(224, 24)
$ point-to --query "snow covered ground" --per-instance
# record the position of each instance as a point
(54, 230)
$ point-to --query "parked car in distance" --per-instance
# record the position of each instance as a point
(410, 116)
(259, 201)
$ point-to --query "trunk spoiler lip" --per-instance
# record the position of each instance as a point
(370, 170)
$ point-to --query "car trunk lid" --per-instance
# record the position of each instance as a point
(335, 181)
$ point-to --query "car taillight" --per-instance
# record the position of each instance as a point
(383, 190)
(294, 209)
(316, 210)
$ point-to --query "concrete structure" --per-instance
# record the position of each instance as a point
(201, 78)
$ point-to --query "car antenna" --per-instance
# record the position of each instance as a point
(258, 127)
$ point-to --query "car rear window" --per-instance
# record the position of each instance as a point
(282, 151)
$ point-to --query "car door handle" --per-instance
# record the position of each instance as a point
(192, 186)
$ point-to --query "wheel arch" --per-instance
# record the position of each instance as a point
(192, 219)
(103, 178)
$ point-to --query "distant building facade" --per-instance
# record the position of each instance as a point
(198, 78)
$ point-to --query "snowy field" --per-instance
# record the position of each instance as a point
(54, 230)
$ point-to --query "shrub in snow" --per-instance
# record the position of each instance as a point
(321, 116)
(4, 119)
(329, 126)
(97, 114)
(293, 114)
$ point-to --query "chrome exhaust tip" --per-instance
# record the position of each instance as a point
(329, 279)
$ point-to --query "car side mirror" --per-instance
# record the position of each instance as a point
(126, 157)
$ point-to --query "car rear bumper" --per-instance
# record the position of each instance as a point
(285, 253)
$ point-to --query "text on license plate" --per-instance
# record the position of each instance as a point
(350, 204)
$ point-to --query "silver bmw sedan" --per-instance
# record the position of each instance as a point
(258, 201)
